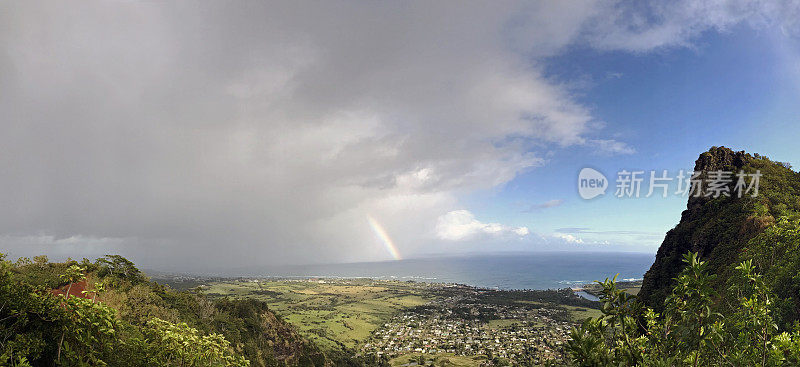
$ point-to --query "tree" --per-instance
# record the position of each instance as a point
(38, 328)
(23, 261)
(99, 287)
(90, 333)
(41, 260)
(73, 274)
(168, 344)
(691, 331)
(27, 317)
(120, 267)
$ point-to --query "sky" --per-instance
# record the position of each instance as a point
(193, 135)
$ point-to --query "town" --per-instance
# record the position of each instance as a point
(407, 323)
(466, 326)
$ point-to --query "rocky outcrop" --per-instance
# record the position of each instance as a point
(719, 228)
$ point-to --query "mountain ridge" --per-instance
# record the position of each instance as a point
(720, 229)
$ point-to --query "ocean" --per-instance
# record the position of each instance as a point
(501, 271)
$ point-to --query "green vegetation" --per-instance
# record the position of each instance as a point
(501, 323)
(340, 315)
(443, 360)
(631, 287)
(694, 330)
(720, 229)
(739, 306)
(398, 322)
(582, 313)
(775, 253)
(336, 314)
(108, 313)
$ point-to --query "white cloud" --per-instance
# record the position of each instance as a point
(568, 238)
(269, 129)
(459, 225)
(610, 146)
(641, 26)
(272, 129)
(522, 231)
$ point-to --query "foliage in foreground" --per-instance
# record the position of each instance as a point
(123, 319)
(691, 331)
(39, 328)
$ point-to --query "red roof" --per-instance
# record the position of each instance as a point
(76, 290)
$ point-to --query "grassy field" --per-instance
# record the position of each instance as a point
(634, 290)
(630, 287)
(343, 313)
(444, 359)
(332, 313)
(500, 324)
(582, 313)
(578, 313)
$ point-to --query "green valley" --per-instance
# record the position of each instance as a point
(333, 313)
(390, 320)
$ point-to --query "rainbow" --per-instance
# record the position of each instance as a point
(384, 237)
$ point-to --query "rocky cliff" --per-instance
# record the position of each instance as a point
(721, 228)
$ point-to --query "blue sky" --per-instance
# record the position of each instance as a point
(261, 133)
(732, 88)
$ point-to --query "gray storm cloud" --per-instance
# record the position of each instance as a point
(188, 133)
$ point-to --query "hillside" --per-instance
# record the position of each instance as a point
(724, 289)
(393, 318)
(123, 319)
(729, 229)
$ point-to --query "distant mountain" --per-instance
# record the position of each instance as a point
(728, 229)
